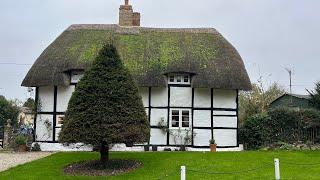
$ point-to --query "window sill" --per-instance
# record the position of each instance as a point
(181, 128)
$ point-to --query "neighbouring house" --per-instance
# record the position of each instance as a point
(288, 100)
(189, 79)
(26, 116)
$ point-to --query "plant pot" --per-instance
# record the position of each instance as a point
(154, 148)
(22, 148)
(146, 148)
(182, 148)
(213, 147)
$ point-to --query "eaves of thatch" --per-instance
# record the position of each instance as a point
(148, 53)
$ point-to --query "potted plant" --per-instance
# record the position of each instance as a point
(21, 142)
(213, 145)
(183, 148)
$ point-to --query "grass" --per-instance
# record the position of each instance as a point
(166, 165)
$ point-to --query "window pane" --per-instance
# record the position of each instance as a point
(185, 113)
(178, 78)
(186, 78)
(175, 113)
(185, 123)
(175, 118)
(175, 123)
(171, 78)
(185, 118)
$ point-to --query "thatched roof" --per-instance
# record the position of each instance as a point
(148, 53)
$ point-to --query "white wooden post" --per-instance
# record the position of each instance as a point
(183, 172)
(277, 169)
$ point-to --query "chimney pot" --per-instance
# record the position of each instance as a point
(127, 17)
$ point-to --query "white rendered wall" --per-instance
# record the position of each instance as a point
(157, 136)
(157, 115)
(202, 97)
(159, 97)
(225, 137)
(177, 137)
(43, 132)
(224, 98)
(180, 96)
(63, 96)
(221, 121)
(64, 148)
(225, 113)
(202, 118)
(46, 99)
(144, 93)
(57, 133)
(201, 137)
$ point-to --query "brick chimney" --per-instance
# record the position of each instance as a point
(127, 17)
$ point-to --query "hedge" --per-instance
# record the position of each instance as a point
(281, 125)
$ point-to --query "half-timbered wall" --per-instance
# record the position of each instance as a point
(52, 104)
(213, 113)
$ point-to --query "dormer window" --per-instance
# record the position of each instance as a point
(179, 79)
(171, 79)
(186, 79)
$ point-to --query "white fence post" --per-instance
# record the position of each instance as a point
(183, 172)
(277, 169)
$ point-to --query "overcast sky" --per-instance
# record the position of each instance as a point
(269, 34)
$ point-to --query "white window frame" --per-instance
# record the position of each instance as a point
(177, 76)
(180, 119)
(57, 120)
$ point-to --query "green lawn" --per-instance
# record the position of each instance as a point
(293, 165)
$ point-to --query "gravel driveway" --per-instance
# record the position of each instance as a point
(8, 159)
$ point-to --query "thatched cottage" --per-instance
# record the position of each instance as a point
(189, 79)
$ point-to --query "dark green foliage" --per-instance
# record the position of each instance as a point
(310, 118)
(20, 140)
(284, 123)
(281, 125)
(106, 105)
(30, 103)
(8, 110)
(315, 96)
(253, 133)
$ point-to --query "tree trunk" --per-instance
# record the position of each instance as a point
(104, 153)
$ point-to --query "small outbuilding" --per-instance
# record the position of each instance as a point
(287, 100)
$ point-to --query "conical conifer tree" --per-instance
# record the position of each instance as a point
(106, 107)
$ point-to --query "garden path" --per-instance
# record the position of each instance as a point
(10, 159)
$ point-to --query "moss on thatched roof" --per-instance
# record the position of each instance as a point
(148, 53)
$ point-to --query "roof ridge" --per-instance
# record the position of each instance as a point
(141, 29)
(304, 96)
